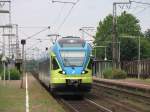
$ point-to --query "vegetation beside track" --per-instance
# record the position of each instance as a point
(13, 72)
(114, 74)
(12, 98)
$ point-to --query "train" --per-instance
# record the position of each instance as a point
(66, 67)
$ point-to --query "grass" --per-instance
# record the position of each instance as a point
(40, 100)
(12, 98)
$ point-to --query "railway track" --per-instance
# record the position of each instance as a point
(97, 102)
(145, 97)
(77, 104)
(123, 97)
(83, 105)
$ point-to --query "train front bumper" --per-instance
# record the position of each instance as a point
(74, 84)
(72, 88)
(64, 80)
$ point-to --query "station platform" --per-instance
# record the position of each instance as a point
(13, 98)
(143, 84)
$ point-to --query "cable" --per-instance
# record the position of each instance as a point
(87, 33)
(138, 2)
(64, 20)
(37, 33)
(66, 17)
(59, 14)
(32, 27)
(142, 10)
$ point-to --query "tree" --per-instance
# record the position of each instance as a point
(127, 24)
(104, 29)
(147, 33)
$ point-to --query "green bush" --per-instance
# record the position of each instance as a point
(119, 74)
(108, 74)
(1, 71)
(114, 74)
(14, 74)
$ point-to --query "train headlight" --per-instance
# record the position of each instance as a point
(63, 72)
(83, 72)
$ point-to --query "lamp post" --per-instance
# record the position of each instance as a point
(23, 42)
(139, 58)
(99, 69)
(117, 51)
(100, 47)
(139, 52)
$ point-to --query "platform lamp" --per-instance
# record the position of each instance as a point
(23, 42)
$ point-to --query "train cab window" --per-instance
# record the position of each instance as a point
(55, 64)
(90, 64)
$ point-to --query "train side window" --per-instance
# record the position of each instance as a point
(55, 64)
(90, 64)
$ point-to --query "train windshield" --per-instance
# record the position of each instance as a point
(73, 58)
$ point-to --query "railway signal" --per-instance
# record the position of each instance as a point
(23, 42)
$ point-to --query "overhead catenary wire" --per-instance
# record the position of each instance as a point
(134, 9)
(66, 17)
(32, 27)
(59, 15)
(142, 10)
(143, 6)
(37, 33)
(68, 14)
(139, 2)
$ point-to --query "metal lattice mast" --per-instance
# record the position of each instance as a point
(6, 27)
(115, 54)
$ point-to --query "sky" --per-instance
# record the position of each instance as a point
(84, 13)
(33, 16)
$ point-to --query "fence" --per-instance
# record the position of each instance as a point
(132, 68)
(100, 66)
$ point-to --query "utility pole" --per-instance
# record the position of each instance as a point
(114, 37)
(115, 53)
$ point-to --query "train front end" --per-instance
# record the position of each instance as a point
(73, 61)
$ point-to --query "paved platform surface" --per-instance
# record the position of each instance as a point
(13, 99)
(135, 83)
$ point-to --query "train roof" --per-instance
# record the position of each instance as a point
(65, 41)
